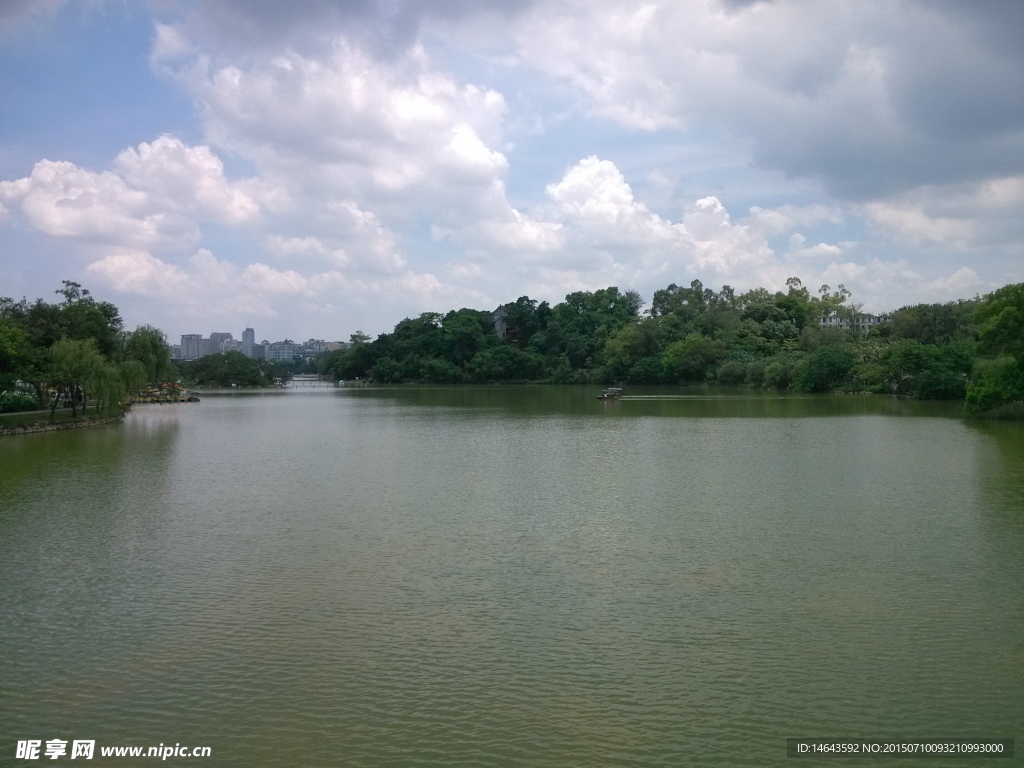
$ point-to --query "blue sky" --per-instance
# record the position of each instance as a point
(316, 168)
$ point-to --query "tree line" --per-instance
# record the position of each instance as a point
(969, 350)
(233, 369)
(75, 352)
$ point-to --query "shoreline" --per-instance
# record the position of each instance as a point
(38, 427)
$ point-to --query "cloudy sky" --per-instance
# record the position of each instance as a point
(313, 168)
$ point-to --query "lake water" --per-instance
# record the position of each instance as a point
(513, 577)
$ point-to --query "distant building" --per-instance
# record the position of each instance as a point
(284, 351)
(217, 341)
(859, 320)
(175, 350)
(193, 346)
(313, 347)
(190, 346)
(500, 326)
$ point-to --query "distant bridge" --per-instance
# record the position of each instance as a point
(311, 380)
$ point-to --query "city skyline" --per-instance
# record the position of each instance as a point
(194, 346)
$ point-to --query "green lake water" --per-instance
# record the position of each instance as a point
(513, 577)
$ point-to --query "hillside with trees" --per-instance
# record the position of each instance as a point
(963, 350)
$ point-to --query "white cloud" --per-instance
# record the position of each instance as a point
(963, 216)
(785, 218)
(369, 130)
(155, 197)
(139, 272)
(204, 290)
(190, 180)
(868, 97)
(61, 199)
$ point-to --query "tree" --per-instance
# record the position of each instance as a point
(73, 364)
(134, 378)
(524, 318)
(824, 369)
(82, 317)
(148, 346)
(631, 343)
(464, 333)
(1000, 321)
(693, 358)
(505, 363)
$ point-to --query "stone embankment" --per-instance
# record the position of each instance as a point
(47, 426)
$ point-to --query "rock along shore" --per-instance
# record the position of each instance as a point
(46, 426)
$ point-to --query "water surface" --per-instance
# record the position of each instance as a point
(513, 577)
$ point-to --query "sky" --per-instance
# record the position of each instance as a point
(315, 168)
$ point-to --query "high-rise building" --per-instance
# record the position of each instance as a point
(217, 341)
(190, 343)
(248, 342)
(284, 351)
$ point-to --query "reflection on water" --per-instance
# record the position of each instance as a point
(513, 576)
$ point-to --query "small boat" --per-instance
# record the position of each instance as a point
(611, 393)
(192, 398)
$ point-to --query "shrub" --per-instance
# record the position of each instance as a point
(15, 400)
(755, 373)
(994, 382)
(387, 371)
(780, 373)
(824, 369)
(732, 373)
(694, 358)
(646, 370)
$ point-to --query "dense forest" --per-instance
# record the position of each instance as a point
(964, 350)
(75, 353)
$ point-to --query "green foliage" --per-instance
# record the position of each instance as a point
(646, 370)
(731, 373)
(505, 363)
(1000, 320)
(228, 369)
(824, 369)
(693, 358)
(781, 372)
(698, 335)
(632, 343)
(15, 400)
(524, 318)
(935, 323)
(755, 373)
(386, 370)
(994, 383)
(75, 367)
(147, 346)
(927, 371)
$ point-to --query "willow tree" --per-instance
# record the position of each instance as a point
(148, 346)
(105, 386)
(73, 363)
(134, 378)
